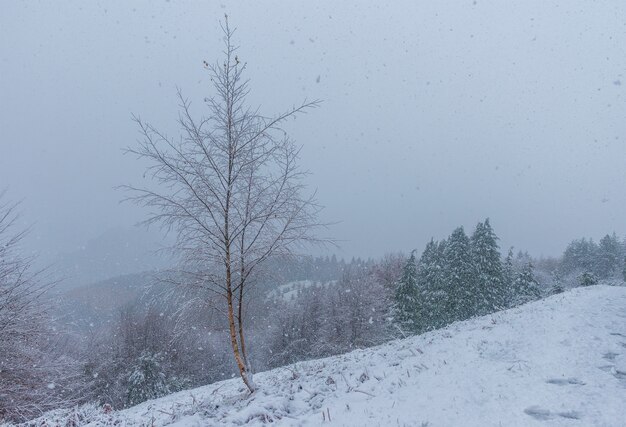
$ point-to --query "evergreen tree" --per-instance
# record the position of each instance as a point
(587, 279)
(608, 256)
(508, 272)
(580, 255)
(525, 286)
(426, 265)
(489, 287)
(406, 298)
(147, 379)
(442, 293)
(430, 292)
(459, 276)
(557, 285)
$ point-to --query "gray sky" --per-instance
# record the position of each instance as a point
(436, 113)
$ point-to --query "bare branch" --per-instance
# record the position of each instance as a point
(231, 190)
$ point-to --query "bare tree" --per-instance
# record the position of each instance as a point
(231, 189)
(33, 374)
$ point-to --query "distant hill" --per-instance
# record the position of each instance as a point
(117, 252)
(92, 306)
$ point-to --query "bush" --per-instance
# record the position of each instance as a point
(587, 279)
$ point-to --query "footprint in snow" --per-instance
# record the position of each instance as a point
(617, 373)
(565, 381)
(543, 414)
(538, 413)
(572, 415)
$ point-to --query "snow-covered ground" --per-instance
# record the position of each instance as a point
(557, 362)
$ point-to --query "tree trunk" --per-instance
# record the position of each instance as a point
(241, 365)
(242, 341)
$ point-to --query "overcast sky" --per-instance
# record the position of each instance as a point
(435, 113)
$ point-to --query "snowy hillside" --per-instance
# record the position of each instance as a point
(289, 291)
(556, 362)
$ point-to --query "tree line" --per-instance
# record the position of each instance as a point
(592, 261)
(458, 278)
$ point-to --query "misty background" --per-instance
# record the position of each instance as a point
(435, 114)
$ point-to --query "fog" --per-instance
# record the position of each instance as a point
(438, 135)
(434, 114)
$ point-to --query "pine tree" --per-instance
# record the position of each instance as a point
(508, 272)
(580, 255)
(489, 291)
(430, 293)
(557, 285)
(587, 279)
(525, 286)
(608, 256)
(147, 379)
(406, 298)
(459, 276)
(441, 292)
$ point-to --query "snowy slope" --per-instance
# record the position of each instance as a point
(556, 362)
(289, 291)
